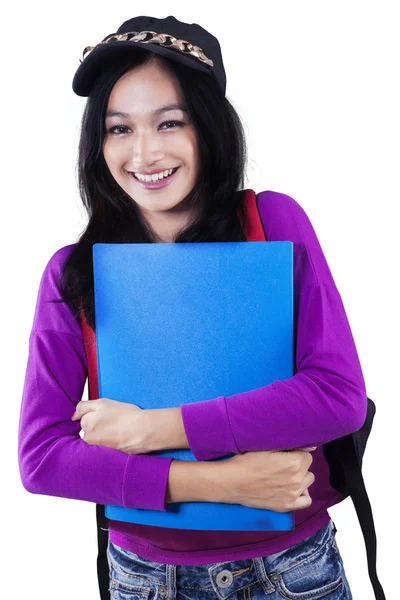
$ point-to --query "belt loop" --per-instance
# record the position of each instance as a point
(171, 582)
(262, 575)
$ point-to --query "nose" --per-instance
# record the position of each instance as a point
(146, 149)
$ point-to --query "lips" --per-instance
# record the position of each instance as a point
(158, 184)
(161, 171)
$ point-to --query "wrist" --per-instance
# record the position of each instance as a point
(192, 481)
(215, 488)
(168, 431)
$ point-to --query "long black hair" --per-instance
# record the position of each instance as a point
(113, 216)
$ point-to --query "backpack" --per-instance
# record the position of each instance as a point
(343, 455)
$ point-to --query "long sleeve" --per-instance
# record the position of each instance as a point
(53, 459)
(326, 397)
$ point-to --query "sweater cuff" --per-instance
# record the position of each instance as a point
(145, 481)
(208, 430)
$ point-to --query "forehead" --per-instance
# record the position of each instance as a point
(143, 90)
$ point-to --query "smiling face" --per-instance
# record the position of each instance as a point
(144, 138)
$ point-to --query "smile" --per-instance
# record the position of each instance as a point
(155, 185)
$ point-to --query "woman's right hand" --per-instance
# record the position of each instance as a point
(273, 479)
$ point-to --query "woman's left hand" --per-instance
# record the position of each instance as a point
(114, 424)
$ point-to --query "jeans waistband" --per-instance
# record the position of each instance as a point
(243, 572)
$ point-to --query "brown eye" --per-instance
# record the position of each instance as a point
(178, 123)
(120, 126)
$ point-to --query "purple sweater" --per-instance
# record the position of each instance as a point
(324, 400)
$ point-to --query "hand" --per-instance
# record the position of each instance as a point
(273, 480)
(111, 423)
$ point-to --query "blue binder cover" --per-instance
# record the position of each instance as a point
(183, 323)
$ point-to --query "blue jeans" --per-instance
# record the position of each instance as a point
(312, 568)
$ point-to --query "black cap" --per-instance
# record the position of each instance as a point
(189, 44)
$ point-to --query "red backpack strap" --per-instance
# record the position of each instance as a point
(89, 338)
(254, 230)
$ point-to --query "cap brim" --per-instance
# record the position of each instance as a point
(104, 55)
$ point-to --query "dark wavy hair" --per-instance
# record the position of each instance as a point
(114, 217)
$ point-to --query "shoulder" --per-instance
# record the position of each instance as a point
(53, 266)
(283, 217)
(51, 313)
(58, 258)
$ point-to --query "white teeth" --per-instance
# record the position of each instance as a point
(154, 177)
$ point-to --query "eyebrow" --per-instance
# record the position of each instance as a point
(157, 111)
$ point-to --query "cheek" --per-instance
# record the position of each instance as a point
(188, 145)
(195, 151)
(113, 155)
(107, 154)
(190, 151)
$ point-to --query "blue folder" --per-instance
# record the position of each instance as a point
(182, 323)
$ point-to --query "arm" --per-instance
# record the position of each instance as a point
(191, 481)
(53, 459)
(165, 427)
(326, 398)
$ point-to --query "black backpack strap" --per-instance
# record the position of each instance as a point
(358, 493)
(103, 573)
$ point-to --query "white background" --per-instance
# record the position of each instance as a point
(316, 84)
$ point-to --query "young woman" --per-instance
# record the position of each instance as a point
(156, 104)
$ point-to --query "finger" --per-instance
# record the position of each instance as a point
(303, 449)
(83, 407)
(75, 416)
(303, 501)
(308, 480)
